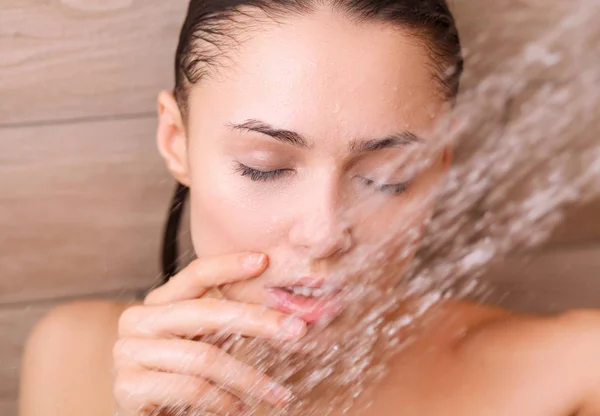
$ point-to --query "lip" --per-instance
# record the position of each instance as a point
(310, 310)
(312, 282)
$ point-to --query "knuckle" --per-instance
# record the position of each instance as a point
(150, 298)
(209, 397)
(123, 352)
(124, 386)
(199, 385)
(197, 389)
(121, 347)
(205, 354)
(208, 303)
(117, 353)
(240, 258)
(269, 320)
(197, 266)
(129, 319)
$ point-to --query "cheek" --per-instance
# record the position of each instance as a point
(227, 215)
(393, 229)
(389, 242)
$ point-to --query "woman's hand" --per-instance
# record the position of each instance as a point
(160, 367)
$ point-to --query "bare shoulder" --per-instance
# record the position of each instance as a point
(553, 356)
(67, 362)
(576, 330)
(471, 359)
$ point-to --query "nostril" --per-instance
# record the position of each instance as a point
(320, 231)
(331, 242)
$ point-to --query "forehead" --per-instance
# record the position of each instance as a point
(322, 75)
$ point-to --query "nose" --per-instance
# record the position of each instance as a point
(320, 229)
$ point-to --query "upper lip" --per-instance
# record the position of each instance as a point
(312, 282)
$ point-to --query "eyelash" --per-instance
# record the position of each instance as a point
(391, 188)
(259, 175)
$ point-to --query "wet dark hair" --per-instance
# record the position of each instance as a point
(214, 28)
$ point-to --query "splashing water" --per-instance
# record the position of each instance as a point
(527, 147)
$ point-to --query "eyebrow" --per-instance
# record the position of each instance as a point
(285, 136)
(401, 139)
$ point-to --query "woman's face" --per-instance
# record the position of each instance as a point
(301, 148)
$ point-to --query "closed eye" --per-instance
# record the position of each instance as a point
(388, 188)
(259, 175)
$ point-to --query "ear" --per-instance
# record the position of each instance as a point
(171, 137)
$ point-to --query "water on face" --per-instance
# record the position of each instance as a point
(527, 147)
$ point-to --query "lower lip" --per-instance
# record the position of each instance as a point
(309, 309)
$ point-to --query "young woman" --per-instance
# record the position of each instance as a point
(307, 132)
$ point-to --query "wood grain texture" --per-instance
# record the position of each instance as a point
(66, 59)
(83, 204)
(496, 33)
(82, 208)
(8, 406)
(507, 46)
(548, 281)
(581, 224)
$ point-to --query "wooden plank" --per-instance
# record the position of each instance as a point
(77, 205)
(581, 224)
(503, 35)
(85, 58)
(82, 208)
(90, 58)
(503, 43)
(548, 281)
(8, 407)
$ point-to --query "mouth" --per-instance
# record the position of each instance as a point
(309, 292)
(312, 301)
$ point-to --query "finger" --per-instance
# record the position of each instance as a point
(202, 274)
(146, 392)
(192, 318)
(201, 360)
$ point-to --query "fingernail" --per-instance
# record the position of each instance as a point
(292, 328)
(278, 393)
(253, 261)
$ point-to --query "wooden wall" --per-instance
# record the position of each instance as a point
(84, 194)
